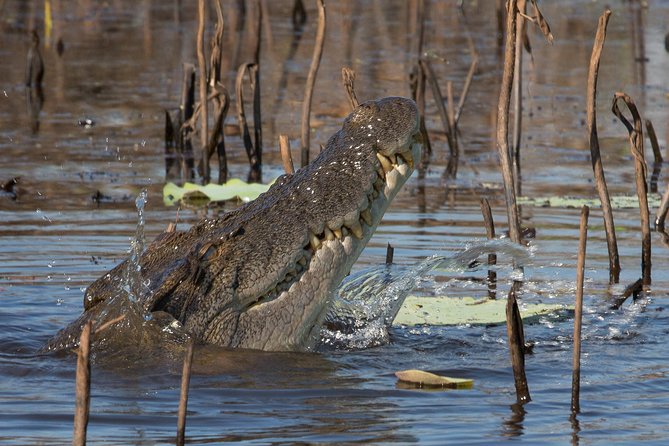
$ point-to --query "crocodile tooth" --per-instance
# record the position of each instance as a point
(366, 215)
(356, 229)
(328, 234)
(314, 241)
(302, 261)
(385, 162)
(344, 231)
(337, 233)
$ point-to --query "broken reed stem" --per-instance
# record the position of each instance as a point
(595, 156)
(657, 156)
(183, 400)
(516, 339)
(186, 110)
(503, 122)
(311, 80)
(650, 130)
(390, 252)
(286, 156)
(348, 78)
(202, 69)
(426, 72)
(170, 149)
(83, 387)
(662, 210)
(217, 139)
(465, 88)
(578, 312)
(489, 224)
(636, 145)
(632, 289)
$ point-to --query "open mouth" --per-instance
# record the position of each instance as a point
(355, 224)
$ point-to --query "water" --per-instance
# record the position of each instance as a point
(55, 240)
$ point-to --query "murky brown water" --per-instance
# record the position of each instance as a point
(122, 66)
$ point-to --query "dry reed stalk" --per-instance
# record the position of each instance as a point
(578, 312)
(311, 80)
(662, 210)
(503, 122)
(83, 387)
(217, 139)
(657, 156)
(186, 110)
(299, 14)
(650, 131)
(470, 74)
(170, 147)
(286, 156)
(255, 83)
(596, 158)
(429, 75)
(202, 69)
(252, 152)
(635, 131)
(516, 339)
(348, 78)
(518, 94)
(489, 224)
(183, 399)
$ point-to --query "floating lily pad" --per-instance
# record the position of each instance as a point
(617, 202)
(193, 193)
(444, 310)
(420, 378)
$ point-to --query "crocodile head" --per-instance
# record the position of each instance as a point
(262, 276)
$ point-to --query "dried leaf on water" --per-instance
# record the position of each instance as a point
(421, 379)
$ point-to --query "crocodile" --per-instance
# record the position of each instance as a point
(263, 275)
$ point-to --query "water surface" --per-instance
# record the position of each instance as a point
(121, 67)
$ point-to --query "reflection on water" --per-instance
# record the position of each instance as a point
(119, 64)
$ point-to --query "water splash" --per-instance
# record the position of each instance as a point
(367, 302)
(132, 281)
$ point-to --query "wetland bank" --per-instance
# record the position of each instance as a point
(121, 66)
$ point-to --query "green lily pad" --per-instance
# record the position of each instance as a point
(617, 202)
(193, 193)
(444, 310)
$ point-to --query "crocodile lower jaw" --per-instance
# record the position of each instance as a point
(352, 231)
